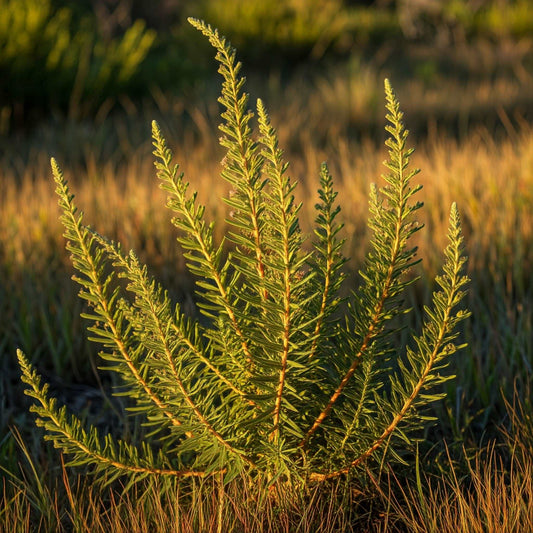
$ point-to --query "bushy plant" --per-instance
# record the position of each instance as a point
(279, 376)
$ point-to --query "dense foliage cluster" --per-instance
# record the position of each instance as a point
(279, 376)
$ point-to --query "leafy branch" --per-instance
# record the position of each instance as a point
(282, 377)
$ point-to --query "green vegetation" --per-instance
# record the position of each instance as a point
(272, 384)
(85, 59)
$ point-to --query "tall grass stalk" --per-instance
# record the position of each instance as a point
(495, 495)
(240, 507)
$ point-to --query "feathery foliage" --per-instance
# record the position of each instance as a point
(279, 378)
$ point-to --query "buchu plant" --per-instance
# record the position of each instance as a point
(280, 377)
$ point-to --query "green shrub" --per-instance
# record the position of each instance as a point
(278, 377)
(296, 26)
(298, 29)
(50, 58)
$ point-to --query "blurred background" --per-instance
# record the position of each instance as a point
(82, 80)
(461, 59)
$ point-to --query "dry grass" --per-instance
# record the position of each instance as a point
(491, 498)
(493, 494)
(491, 180)
(241, 506)
(490, 491)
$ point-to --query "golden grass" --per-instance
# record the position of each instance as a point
(199, 507)
(494, 494)
(491, 498)
(491, 492)
(491, 180)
